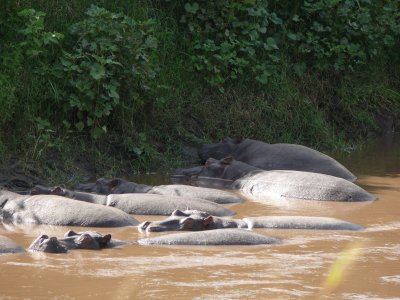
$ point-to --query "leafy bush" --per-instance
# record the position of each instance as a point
(232, 40)
(341, 35)
(110, 60)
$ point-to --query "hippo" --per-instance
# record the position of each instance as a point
(7, 245)
(198, 220)
(113, 186)
(230, 236)
(276, 157)
(190, 220)
(72, 240)
(252, 181)
(61, 211)
(141, 203)
(122, 186)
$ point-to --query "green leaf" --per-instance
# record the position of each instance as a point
(192, 8)
(79, 126)
(300, 68)
(97, 71)
(275, 19)
(151, 42)
(271, 43)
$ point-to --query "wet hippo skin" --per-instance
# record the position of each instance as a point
(198, 220)
(121, 186)
(61, 211)
(7, 245)
(276, 157)
(230, 173)
(141, 203)
(89, 240)
(212, 237)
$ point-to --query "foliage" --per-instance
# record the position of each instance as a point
(232, 40)
(110, 60)
(343, 35)
(149, 79)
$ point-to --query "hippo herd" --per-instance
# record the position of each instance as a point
(194, 202)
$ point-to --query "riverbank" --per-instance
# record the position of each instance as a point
(130, 87)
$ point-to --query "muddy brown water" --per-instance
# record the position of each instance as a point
(307, 265)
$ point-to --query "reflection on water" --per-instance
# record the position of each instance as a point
(296, 269)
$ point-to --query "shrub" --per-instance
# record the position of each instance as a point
(110, 60)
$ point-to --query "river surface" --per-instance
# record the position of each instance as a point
(308, 264)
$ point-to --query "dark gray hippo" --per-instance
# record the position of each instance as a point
(61, 211)
(122, 186)
(276, 157)
(190, 220)
(229, 173)
(212, 237)
(198, 221)
(7, 245)
(113, 186)
(89, 240)
(141, 203)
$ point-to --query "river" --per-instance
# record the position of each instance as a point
(308, 264)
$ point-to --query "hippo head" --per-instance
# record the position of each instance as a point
(72, 240)
(113, 186)
(48, 244)
(86, 240)
(191, 220)
(220, 150)
(43, 190)
(215, 173)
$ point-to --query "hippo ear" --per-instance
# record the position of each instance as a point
(188, 223)
(208, 221)
(227, 160)
(70, 233)
(106, 239)
(57, 191)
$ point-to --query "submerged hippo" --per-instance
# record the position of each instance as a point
(276, 157)
(229, 173)
(141, 204)
(198, 220)
(72, 240)
(122, 186)
(113, 186)
(213, 237)
(7, 245)
(61, 211)
(190, 220)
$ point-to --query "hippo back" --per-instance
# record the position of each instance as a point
(57, 210)
(279, 157)
(301, 185)
(213, 237)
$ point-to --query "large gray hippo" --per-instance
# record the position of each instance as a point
(276, 157)
(198, 221)
(140, 203)
(7, 245)
(230, 173)
(89, 240)
(61, 211)
(122, 186)
(213, 237)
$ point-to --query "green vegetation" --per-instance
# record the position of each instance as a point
(123, 86)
